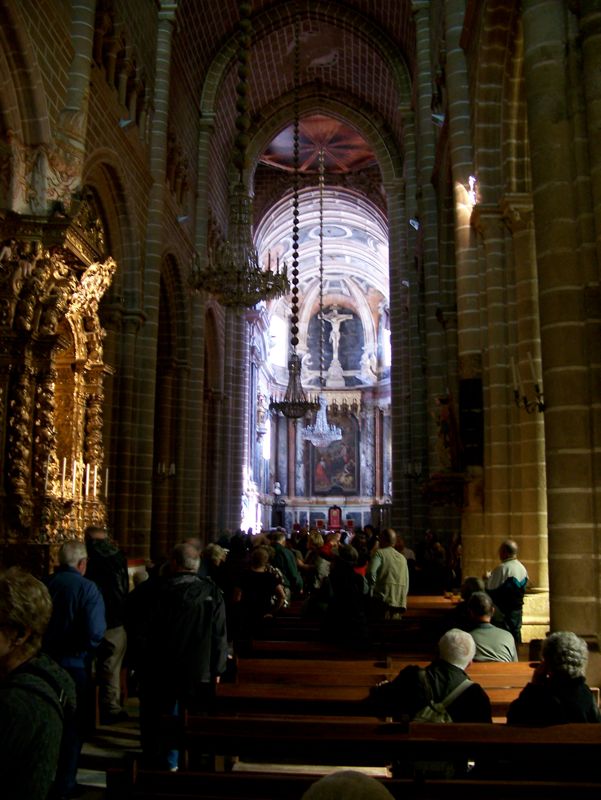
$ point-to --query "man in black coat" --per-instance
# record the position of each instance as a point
(107, 567)
(184, 648)
(413, 687)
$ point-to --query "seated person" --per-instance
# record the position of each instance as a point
(406, 695)
(558, 693)
(36, 695)
(492, 643)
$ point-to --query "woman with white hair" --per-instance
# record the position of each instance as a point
(349, 784)
(558, 693)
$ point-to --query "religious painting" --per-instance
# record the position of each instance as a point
(335, 468)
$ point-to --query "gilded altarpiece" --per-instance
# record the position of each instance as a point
(52, 278)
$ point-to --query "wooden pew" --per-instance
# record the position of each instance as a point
(326, 699)
(321, 740)
(151, 785)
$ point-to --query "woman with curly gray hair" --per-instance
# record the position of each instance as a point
(558, 693)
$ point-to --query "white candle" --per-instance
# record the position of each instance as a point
(172, 469)
(106, 483)
(532, 371)
(63, 476)
(95, 479)
(74, 477)
(87, 479)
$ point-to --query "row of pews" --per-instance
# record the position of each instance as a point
(302, 701)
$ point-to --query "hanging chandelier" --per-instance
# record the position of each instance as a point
(295, 403)
(321, 433)
(233, 273)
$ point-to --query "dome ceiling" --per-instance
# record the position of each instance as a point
(344, 148)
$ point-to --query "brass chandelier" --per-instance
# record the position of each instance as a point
(295, 403)
(234, 274)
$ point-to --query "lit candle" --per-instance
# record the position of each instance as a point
(87, 479)
(95, 479)
(63, 476)
(514, 375)
(74, 477)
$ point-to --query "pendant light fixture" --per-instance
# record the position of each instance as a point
(295, 403)
(321, 433)
(234, 275)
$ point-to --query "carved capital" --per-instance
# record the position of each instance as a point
(485, 219)
(517, 211)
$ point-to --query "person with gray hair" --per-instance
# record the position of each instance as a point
(36, 695)
(414, 687)
(558, 693)
(506, 586)
(76, 628)
(183, 652)
(349, 784)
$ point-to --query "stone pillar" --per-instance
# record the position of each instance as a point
(562, 276)
(192, 477)
(399, 373)
(475, 546)
(528, 499)
(146, 356)
(235, 422)
(436, 383)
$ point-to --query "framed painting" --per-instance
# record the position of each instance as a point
(335, 469)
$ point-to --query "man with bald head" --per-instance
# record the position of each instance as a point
(184, 651)
(506, 586)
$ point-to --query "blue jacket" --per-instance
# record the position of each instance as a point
(78, 621)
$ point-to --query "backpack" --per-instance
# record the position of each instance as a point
(432, 712)
(437, 712)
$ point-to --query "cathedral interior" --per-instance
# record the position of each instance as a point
(212, 212)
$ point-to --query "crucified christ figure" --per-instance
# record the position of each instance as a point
(335, 319)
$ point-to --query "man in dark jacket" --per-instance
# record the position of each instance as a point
(36, 695)
(107, 567)
(285, 561)
(411, 691)
(76, 628)
(184, 651)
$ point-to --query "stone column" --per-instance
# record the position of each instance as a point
(191, 480)
(146, 356)
(399, 373)
(428, 217)
(475, 546)
(235, 421)
(528, 499)
(562, 275)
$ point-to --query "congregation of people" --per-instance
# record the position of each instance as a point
(177, 632)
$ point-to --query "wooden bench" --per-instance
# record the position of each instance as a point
(350, 742)
(152, 785)
(338, 700)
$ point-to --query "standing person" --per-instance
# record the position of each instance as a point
(184, 651)
(492, 643)
(75, 630)
(107, 567)
(388, 578)
(506, 586)
(285, 561)
(36, 695)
